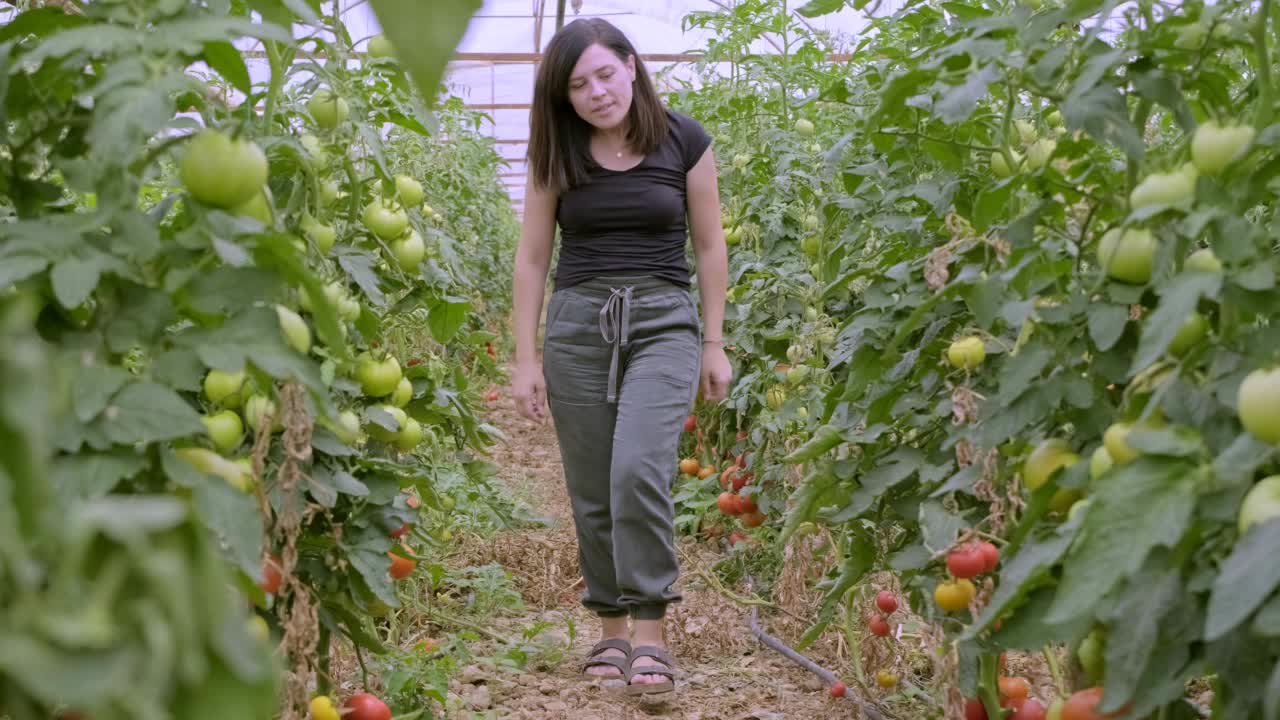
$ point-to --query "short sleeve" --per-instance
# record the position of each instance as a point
(694, 140)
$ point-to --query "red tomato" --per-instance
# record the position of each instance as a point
(965, 562)
(879, 626)
(990, 556)
(887, 602)
(364, 706)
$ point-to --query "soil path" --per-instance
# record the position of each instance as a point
(725, 674)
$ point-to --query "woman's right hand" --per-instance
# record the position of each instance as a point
(530, 391)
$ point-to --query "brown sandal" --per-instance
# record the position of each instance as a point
(669, 672)
(594, 658)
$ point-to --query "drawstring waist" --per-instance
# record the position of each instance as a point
(615, 323)
(615, 315)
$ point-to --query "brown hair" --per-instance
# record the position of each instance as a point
(559, 140)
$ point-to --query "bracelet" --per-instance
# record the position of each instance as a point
(711, 340)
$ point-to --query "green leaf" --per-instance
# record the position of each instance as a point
(74, 279)
(1021, 370)
(374, 566)
(804, 501)
(818, 8)
(1249, 575)
(1019, 576)
(93, 475)
(959, 101)
(895, 468)
(59, 676)
(1025, 629)
(1177, 302)
(1267, 622)
(180, 369)
(990, 205)
(18, 268)
(252, 337)
(446, 316)
(228, 290)
(223, 57)
(1145, 504)
(234, 519)
(125, 518)
(938, 526)
(1176, 441)
(1134, 626)
(145, 412)
(1271, 700)
(39, 22)
(1106, 324)
(424, 36)
(359, 266)
(1102, 112)
(93, 387)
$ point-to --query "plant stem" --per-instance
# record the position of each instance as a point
(277, 82)
(1139, 122)
(1263, 61)
(1051, 658)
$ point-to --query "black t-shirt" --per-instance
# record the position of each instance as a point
(627, 222)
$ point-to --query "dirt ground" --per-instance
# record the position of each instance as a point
(724, 672)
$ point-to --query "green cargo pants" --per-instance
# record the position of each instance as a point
(621, 360)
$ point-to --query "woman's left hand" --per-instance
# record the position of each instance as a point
(716, 373)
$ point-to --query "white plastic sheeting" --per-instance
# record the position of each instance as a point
(503, 87)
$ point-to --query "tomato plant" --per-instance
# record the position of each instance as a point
(1009, 177)
(185, 250)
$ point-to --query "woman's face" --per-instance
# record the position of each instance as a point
(600, 87)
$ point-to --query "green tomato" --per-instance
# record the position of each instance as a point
(380, 47)
(410, 435)
(349, 309)
(223, 388)
(740, 161)
(387, 223)
(1039, 152)
(257, 407)
(1054, 119)
(811, 245)
(224, 428)
(967, 352)
(1045, 460)
(315, 149)
(805, 127)
(775, 397)
(797, 354)
(811, 313)
(798, 374)
(733, 235)
(236, 473)
(403, 393)
(1189, 334)
(324, 236)
(1091, 655)
(1127, 254)
(1203, 260)
(1001, 168)
(257, 207)
(295, 329)
(222, 172)
(378, 378)
(1258, 404)
(409, 190)
(1163, 189)
(347, 427)
(385, 435)
(409, 251)
(1260, 504)
(1099, 463)
(328, 109)
(1114, 440)
(328, 192)
(1214, 146)
(1026, 131)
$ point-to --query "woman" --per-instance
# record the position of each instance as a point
(624, 178)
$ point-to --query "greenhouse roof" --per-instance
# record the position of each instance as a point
(493, 69)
